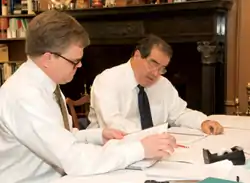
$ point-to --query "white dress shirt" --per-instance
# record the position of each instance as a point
(34, 145)
(114, 102)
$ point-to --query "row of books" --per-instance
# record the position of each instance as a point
(13, 27)
(7, 69)
(16, 7)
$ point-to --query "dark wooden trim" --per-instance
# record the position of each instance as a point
(166, 8)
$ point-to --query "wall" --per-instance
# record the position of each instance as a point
(238, 68)
(238, 54)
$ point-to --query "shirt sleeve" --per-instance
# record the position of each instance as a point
(179, 114)
(39, 128)
(89, 135)
(107, 108)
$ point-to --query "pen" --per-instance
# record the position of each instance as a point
(237, 179)
(182, 146)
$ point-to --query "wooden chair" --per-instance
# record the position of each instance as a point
(72, 104)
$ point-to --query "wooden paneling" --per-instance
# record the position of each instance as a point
(238, 54)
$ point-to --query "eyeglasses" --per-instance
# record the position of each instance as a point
(155, 65)
(75, 63)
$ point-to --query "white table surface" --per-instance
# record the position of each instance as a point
(230, 138)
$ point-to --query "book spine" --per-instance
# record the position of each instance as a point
(4, 24)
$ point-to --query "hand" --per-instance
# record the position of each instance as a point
(109, 134)
(158, 146)
(211, 127)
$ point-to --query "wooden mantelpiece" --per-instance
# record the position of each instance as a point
(203, 22)
(187, 21)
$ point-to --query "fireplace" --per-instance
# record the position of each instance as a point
(196, 30)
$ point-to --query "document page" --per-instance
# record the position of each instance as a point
(140, 135)
(234, 122)
(173, 171)
(144, 133)
(186, 136)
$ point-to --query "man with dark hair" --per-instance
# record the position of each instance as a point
(37, 141)
(134, 95)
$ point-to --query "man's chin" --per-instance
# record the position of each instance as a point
(66, 81)
(149, 84)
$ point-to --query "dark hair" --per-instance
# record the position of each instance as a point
(146, 44)
(54, 31)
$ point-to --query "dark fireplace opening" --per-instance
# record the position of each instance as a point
(184, 70)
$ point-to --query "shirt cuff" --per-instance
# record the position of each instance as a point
(93, 136)
(135, 152)
(200, 119)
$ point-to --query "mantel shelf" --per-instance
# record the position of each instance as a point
(166, 8)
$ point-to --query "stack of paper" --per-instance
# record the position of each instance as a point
(182, 171)
(186, 136)
(140, 135)
(235, 122)
(144, 133)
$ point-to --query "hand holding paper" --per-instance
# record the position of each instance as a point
(156, 142)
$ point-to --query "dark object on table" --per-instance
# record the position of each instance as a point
(237, 156)
(172, 181)
(154, 181)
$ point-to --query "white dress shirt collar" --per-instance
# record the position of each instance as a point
(131, 76)
(42, 77)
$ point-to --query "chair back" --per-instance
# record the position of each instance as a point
(72, 104)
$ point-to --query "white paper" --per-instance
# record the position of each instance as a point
(144, 133)
(230, 121)
(121, 176)
(175, 170)
(186, 131)
(183, 155)
(186, 136)
(140, 135)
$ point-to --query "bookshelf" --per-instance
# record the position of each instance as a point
(19, 16)
(12, 43)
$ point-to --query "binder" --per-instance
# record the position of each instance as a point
(216, 180)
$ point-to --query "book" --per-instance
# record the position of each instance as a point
(216, 180)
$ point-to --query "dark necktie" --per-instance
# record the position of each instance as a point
(62, 106)
(144, 108)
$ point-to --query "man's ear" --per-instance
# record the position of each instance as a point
(46, 59)
(137, 54)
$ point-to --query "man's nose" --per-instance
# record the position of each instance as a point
(156, 72)
(79, 64)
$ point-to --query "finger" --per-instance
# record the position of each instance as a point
(170, 138)
(166, 147)
(214, 127)
(118, 135)
(167, 144)
(121, 133)
(206, 129)
(161, 154)
(219, 129)
(173, 139)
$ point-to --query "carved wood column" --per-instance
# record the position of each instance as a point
(212, 77)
